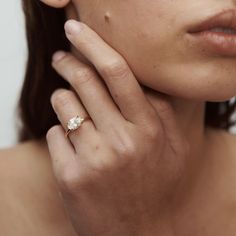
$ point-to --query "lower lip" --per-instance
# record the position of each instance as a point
(216, 42)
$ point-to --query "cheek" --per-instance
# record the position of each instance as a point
(160, 57)
(166, 64)
(146, 51)
(140, 36)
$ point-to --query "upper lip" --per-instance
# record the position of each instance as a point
(225, 19)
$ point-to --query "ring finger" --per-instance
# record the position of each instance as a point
(66, 105)
(90, 89)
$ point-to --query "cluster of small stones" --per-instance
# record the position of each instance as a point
(74, 123)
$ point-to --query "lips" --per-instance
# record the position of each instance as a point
(216, 35)
(225, 19)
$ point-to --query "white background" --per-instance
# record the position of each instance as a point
(12, 63)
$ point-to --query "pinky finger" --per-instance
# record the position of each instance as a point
(61, 151)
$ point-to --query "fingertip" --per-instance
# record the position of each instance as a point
(72, 27)
(58, 144)
(57, 92)
(58, 56)
(52, 133)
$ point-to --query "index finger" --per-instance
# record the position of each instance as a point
(121, 82)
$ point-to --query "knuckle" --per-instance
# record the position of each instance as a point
(73, 181)
(61, 98)
(69, 181)
(152, 133)
(114, 69)
(127, 148)
(81, 75)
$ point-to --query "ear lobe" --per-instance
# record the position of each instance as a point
(56, 3)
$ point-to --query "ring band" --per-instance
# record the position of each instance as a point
(74, 123)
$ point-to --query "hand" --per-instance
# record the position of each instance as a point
(117, 173)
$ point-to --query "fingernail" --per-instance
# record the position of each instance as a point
(72, 27)
(57, 56)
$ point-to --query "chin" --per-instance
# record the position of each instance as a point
(196, 82)
(213, 82)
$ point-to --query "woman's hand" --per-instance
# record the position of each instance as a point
(118, 172)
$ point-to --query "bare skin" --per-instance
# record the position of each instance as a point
(200, 208)
(29, 201)
(30, 204)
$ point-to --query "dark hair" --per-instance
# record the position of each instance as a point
(45, 35)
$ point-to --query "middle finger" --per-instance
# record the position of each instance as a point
(115, 72)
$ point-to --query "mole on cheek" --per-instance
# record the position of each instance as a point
(107, 17)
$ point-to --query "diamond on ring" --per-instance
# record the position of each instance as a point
(75, 123)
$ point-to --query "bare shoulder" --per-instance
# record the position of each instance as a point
(26, 159)
(26, 163)
(29, 197)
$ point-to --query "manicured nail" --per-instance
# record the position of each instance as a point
(72, 27)
(57, 56)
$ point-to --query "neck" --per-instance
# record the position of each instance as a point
(190, 116)
(199, 192)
